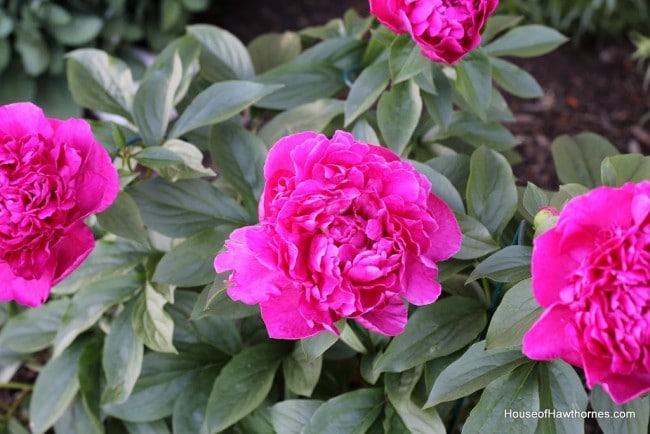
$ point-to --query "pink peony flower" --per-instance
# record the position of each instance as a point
(592, 274)
(53, 174)
(346, 230)
(445, 30)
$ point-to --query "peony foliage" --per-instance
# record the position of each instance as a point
(373, 247)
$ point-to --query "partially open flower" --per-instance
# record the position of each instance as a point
(346, 230)
(53, 174)
(445, 30)
(592, 274)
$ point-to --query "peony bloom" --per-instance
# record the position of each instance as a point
(591, 273)
(445, 30)
(53, 174)
(346, 230)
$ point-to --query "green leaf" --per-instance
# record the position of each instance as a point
(433, 331)
(515, 392)
(90, 303)
(292, 415)
(190, 263)
(155, 427)
(577, 159)
(474, 370)
(516, 313)
(478, 133)
(566, 193)
(366, 89)
(301, 83)
(100, 82)
(223, 56)
(190, 407)
(477, 241)
(526, 41)
(316, 346)
(163, 378)
(32, 48)
(401, 102)
(441, 186)
(440, 106)
(497, 24)
(187, 49)
(619, 169)
(89, 372)
(633, 423)
(273, 49)
(309, 117)
(76, 420)
(239, 156)
(54, 389)
(405, 59)
(185, 207)
(174, 160)
(122, 358)
(81, 30)
(514, 79)
(154, 100)
(219, 102)
(123, 219)
(474, 82)
(151, 323)
(454, 167)
(364, 132)
(300, 372)
(510, 264)
(242, 385)
(561, 390)
(108, 258)
(491, 191)
(351, 412)
(214, 301)
(535, 199)
(34, 329)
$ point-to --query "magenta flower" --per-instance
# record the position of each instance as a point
(53, 174)
(346, 230)
(592, 274)
(445, 30)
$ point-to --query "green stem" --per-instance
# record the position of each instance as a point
(17, 386)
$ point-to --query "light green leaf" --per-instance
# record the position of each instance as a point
(433, 331)
(619, 169)
(513, 318)
(100, 82)
(351, 412)
(491, 190)
(526, 41)
(187, 49)
(151, 323)
(366, 89)
(81, 30)
(34, 329)
(300, 372)
(474, 82)
(223, 56)
(535, 199)
(292, 415)
(403, 103)
(214, 301)
(474, 370)
(478, 133)
(497, 24)
(155, 427)
(90, 303)
(477, 241)
(577, 159)
(123, 218)
(242, 385)
(121, 359)
(560, 390)
(510, 264)
(301, 83)
(190, 407)
(76, 420)
(272, 49)
(515, 392)
(635, 422)
(364, 132)
(514, 79)
(33, 49)
(175, 160)
(316, 346)
(314, 116)
(441, 186)
(54, 389)
(185, 207)
(440, 106)
(566, 193)
(405, 59)
(219, 102)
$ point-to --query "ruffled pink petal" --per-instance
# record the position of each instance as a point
(32, 292)
(550, 267)
(548, 339)
(70, 251)
(23, 119)
(253, 282)
(421, 288)
(389, 320)
(625, 388)
(389, 14)
(446, 240)
(281, 315)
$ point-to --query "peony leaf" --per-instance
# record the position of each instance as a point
(619, 169)
(510, 264)
(273, 49)
(577, 159)
(401, 102)
(351, 412)
(214, 301)
(515, 392)
(292, 415)
(242, 385)
(514, 79)
(526, 41)
(534, 199)
(123, 219)
(560, 389)
(301, 373)
(191, 404)
(474, 82)
(405, 60)
(474, 370)
(223, 56)
(477, 241)
(433, 331)
(366, 89)
(515, 315)
(635, 422)
(76, 419)
(33, 330)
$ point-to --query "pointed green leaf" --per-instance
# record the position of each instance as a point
(151, 323)
(123, 219)
(301, 373)
(402, 102)
(634, 422)
(223, 56)
(510, 264)
(292, 415)
(526, 41)
(477, 241)
(577, 159)
(351, 412)
(514, 79)
(619, 169)
(366, 89)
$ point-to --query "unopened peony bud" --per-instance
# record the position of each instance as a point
(545, 219)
